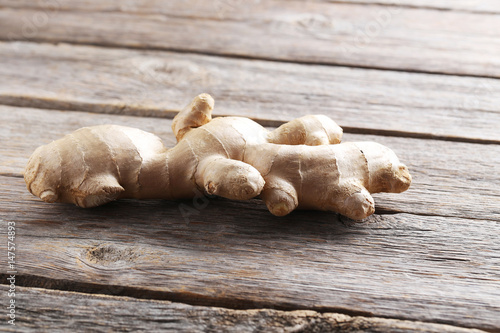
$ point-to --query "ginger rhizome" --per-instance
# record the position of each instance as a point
(301, 164)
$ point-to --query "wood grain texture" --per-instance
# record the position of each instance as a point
(448, 180)
(406, 39)
(161, 83)
(58, 311)
(429, 255)
(236, 255)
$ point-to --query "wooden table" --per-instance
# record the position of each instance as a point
(419, 76)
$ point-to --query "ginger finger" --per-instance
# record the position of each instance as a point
(310, 130)
(195, 114)
(228, 178)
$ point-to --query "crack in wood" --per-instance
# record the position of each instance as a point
(436, 7)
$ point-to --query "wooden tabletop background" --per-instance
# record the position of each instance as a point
(420, 76)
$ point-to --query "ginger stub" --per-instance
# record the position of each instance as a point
(301, 164)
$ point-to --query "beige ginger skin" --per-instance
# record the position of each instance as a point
(299, 165)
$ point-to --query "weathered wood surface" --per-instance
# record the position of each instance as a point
(236, 255)
(161, 83)
(59, 311)
(447, 178)
(400, 38)
(429, 255)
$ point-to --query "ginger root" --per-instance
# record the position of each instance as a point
(299, 165)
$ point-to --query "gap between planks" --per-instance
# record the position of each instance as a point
(124, 313)
(170, 114)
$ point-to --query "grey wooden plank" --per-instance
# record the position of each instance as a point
(160, 83)
(236, 255)
(449, 178)
(60, 311)
(400, 38)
